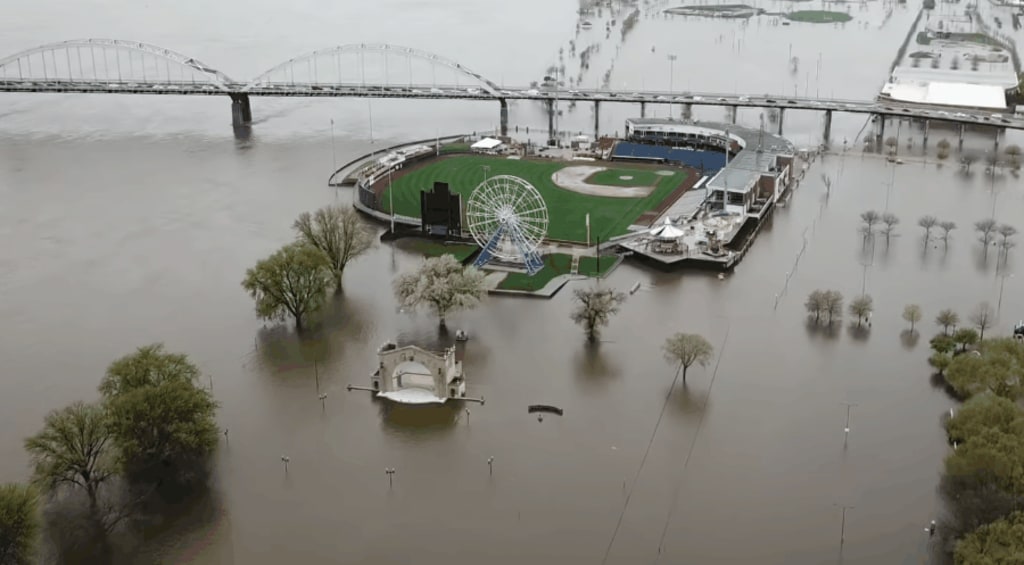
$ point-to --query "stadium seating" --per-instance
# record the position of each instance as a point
(709, 161)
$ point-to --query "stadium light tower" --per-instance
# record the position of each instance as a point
(671, 72)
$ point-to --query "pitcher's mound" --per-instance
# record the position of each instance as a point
(575, 179)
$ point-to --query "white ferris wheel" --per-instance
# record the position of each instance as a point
(508, 219)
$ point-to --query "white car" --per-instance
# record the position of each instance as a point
(744, 99)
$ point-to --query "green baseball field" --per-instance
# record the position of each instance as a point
(567, 209)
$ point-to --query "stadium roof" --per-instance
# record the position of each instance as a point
(959, 94)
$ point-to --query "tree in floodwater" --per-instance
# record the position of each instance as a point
(870, 218)
(161, 418)
(889, 220)
(687, 349)
(995, 542)
(339, 233)
(946, 226)
(19, 524)
(947, 318)
(965, 337)
(73, 450)
(927, 222)
(912, 314)
(985, 228)
(861, 308)
(833, 301)
(594, 308)
(982, 318)
(1006, 231)
(443, 284)
(996, 368)
(293, 281)
(815, 304)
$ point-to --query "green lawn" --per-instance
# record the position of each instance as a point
(554, 265)
(455, 148)
(429, 248)
(611, 177)
(818, 16)
(567, 210)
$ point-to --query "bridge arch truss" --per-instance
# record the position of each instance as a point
(371, 65)
(107, 61)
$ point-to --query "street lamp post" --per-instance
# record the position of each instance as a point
(323, 401)
(671, 76)
(846, 430)
(490, 464)
(842, 530)
(999, 307)
(391, 476)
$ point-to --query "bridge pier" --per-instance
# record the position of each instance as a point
(551, 121)
(924, 143)
(732, 114)
(643, 109)
(828, 126)
(960, 143)
(504, 117)
(241, 110)
(881, 131)
(597, 119)
(998, 131)
(687, 111)
(782, 113)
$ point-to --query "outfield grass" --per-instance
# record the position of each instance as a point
(818, 16)
(610, 177)
(428, 248)
(554, 265)
(567, 210)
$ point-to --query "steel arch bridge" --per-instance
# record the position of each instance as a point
(345, 66)
(114, 63)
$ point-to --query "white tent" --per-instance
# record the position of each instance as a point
(667, 231)
(486, 144)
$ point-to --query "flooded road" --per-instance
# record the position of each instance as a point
(129, 220)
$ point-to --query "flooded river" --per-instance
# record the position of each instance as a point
(129, 220)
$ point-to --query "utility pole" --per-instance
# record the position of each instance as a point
(842, 530)
(334, 149)
(846, 430)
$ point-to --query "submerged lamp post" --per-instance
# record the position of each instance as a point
(846, 430)
(323, 398)
(390, 471)
(490, 464)
(285, 459)
(842, 528)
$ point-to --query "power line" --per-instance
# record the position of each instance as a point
(647, 451)
(689, 452)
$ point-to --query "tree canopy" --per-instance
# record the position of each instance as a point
(72, 450)
(947, 318)
(160, 418)
(984, 412)
(861, 307)
(912, 314)
(594, 308)
(339, 233)
(998, 367)
(687, 349)
(998, 543)
(294, 280)
(19, 524)
(443, 284)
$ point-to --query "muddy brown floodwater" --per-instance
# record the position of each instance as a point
(131, 221)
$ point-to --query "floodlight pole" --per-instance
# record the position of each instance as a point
(334, 150)
(391, 201)
(671, 72)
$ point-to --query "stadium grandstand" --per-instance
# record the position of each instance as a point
(675, 143)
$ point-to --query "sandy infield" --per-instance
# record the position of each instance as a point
(574, 178)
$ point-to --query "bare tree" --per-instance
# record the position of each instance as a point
(870, 218)
(339, 233)
(1006, 231)
(927, 222)
(594, 309)
(890, 220)
(816, 304)
(985, 228)
(861, 308)
(982, 318)
(687, 349)
(947, 319)
(1013, 152)
(833, 302)
(947, 226)
(443, 284)
(912, 314)
(967, 160)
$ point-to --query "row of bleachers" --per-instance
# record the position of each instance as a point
(708, 161)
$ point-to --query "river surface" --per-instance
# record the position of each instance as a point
(130, 220)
